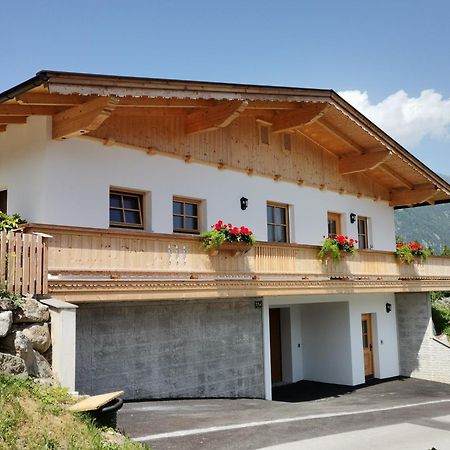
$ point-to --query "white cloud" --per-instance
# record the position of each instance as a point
(406, 119)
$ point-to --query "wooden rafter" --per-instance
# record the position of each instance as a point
(362, 163)
(304, 115)
(213, 118)
(396, 176)
(13, 119)
(31, 110)
(412, 197)
(84, 118)
(341, 136)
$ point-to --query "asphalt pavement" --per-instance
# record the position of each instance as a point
(399, 414)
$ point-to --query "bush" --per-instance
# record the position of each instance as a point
(8, 223)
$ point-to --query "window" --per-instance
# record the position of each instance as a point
(186, 215)
(277, 222)
(125, 209)
(264, 134)
(334, 224)
(363, 233)
(286, 142)
(3, 201)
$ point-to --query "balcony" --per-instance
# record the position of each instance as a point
(87, 264)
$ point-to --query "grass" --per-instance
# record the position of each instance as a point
(34, 417)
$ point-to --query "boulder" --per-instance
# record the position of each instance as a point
(44, 369)
(12, 365)
(6, 304)
(31, 311)
(38, 334)
(24, 350)
(5, 322)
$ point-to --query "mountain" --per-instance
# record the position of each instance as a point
(429, 225)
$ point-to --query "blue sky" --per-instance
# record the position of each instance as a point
(378, 48)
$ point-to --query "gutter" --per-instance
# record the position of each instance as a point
(21, 88)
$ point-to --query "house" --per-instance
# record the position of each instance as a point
(124, 173)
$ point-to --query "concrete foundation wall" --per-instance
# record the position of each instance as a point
(171, 349)
(420, 355)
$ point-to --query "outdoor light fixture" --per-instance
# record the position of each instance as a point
(352, 218)
(244, 203)
(388, 307)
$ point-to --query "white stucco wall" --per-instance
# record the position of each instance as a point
(67, 182)
(328, 329)
(327, 353)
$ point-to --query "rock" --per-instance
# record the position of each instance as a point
(5, 322)
(24, 350)
(6, 304)
(48, 355)
(44, 369)
(38, 334)
(12, 365)
(44, 381)
(7, 343)
(31, 311)
(113, 438)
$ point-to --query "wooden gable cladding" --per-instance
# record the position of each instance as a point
(236, 147)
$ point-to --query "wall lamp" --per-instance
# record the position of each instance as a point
(352, 218)
(388, 307)
(244, 203)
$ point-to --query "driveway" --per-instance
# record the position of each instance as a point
(399, 414)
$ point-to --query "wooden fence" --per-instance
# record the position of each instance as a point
(23, 263)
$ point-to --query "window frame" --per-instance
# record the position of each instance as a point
(337, 217)
(275, 225)
(192, 201)
(127, 193)
(261, 125)
(286, 142)
(363, 243)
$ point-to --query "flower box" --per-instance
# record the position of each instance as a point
(335, 248)
(227, 238)
(230, 248)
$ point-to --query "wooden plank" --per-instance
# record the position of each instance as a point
(213, 118)
(401, 179)
(362, 163)
(13, 119)
(39, 263)
(11, 255)
(32, 263)
(84, 118)
(305, 114)
(3, 257)
(22, 110)
(412, 197)
(340, 135)
(19, 261)
(25, 285)
(44, 268)
(94, 402)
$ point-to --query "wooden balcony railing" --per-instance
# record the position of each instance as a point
(84, 255)
(23, 263)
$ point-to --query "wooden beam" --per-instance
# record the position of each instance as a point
(213, 118)
(84, 118)
(411, 197)
(13, 119)
(305, 114)
(21, 110)
(397, 176)
(341, 136)
(362, 163)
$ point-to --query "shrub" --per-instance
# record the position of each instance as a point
(8, 223)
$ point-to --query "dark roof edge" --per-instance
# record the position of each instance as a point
(37, 80)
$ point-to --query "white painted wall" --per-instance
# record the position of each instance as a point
(327, 353)
(385, 343)
(67, 182)
(328, 329)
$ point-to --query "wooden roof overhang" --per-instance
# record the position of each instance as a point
(80, 103)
